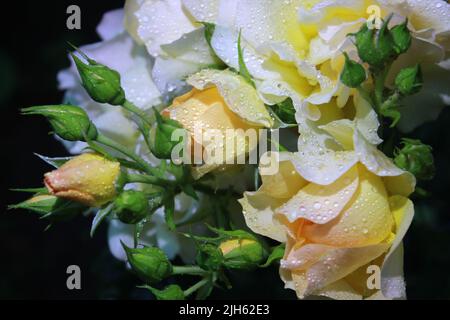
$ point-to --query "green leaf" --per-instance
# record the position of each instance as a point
(285, 111)
(243, 71)
(99, 217)
(276, 254)
(169, 212)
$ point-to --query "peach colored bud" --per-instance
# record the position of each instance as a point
(88, 178)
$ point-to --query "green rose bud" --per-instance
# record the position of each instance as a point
(353, 73)
(131, 206)
(70, 123)
(161, 143)
(101, 82)
(376, 47)
(171, 292)
(409, 80)
(149, 263)
(209, 257)
(242, 253)
(402, 37)
(417, 158)
(51, 207)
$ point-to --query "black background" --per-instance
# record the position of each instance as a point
(33, 262)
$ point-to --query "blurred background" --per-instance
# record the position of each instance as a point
(33, 261)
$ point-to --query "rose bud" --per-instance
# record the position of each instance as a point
(376, 47)
(242, 253)
(161, 142)
(132, 206)
(409, 80)
(402, 37)
(149, 263)
(51, 207)
(101, 82)
(70, 123)
(353, 73)
(88, 178)
(417, 158)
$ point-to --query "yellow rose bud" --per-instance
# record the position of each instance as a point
(88, 178)
(242, 253)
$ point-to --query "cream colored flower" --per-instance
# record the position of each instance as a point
(294, 48)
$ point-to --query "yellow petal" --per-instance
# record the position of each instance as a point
(239, 96)
(321, 204)
(366, 219)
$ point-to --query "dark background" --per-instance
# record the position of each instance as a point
(33, 262)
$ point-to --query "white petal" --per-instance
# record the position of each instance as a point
(111, 24)
(203, 10)
(139, 86)
(374, 160)
(161, 22)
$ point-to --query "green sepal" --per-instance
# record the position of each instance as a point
(276, 254)
(171, 292)
(353, 74)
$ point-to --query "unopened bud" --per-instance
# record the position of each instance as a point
(70, 123)
(149, 263)
(101, 82)
(409, 80)
(353, 73)
(242, 253)
(402, 37)
(161, 143)
(131, 206)
(417, 158)
(88, 178)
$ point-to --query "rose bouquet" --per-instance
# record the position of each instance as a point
(241, 134)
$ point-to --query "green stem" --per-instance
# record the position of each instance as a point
(380, 80)
(135, 110)
(195, 287)
(140, 178)
(122, 149)
(191, 270)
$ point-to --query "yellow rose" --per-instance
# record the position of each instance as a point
(334, 232)
(221, 102)
(88, 178)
